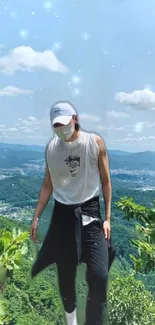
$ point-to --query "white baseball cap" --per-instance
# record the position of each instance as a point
(62, 112)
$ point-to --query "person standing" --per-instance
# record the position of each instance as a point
(77, 168)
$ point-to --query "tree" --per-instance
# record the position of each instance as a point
(44, 298)
(130, 303)
(17, 303)
(145, 261)
(12, 248)
(122, 236)
(32, 318)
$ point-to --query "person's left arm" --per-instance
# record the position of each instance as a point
(103, 163)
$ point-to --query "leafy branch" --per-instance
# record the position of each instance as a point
(12, 248)
(146, 228)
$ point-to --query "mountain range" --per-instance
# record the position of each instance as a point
(17, 155)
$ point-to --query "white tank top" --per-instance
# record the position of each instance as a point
(74, 168)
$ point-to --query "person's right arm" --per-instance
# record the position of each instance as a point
(44, 196)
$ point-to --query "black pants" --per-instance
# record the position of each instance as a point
(95, 255)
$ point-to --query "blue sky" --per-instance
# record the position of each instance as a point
(98, 55)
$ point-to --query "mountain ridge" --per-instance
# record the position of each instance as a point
(40, 148)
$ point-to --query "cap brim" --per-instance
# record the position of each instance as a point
(62, 120)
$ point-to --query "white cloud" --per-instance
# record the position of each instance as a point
(32, 118)
(13, 129)
(24, 58)
(141, 99)
(110, 128)
(117, 114)
(151, 138)
(134, 139)
(89, 117)
(120, 128)
(27, 130)
(14, 91)
(23, 129)
(115, 128)
(31, 121)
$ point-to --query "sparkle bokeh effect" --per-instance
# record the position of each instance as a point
(99, 56)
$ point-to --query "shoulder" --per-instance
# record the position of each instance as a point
(99, 140)
(91, 136)
(96, 142)
(101, 144)
(92, 143)
(51, 144)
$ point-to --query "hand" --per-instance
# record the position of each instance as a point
(107, 229)
(33, 230)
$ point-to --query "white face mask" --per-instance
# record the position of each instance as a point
(65, 132)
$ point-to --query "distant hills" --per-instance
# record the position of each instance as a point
(118, 152)
(21, 147)
(133, 161)
(16, 155)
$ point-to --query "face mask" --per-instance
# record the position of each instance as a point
(65, 132)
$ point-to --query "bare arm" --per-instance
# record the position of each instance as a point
(105, 177)
(45, 194)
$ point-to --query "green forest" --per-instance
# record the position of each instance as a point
(22, 191)
(131, 279)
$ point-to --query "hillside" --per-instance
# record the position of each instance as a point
(19, 191)
(23, 190)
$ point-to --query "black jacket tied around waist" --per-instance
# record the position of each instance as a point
(63, 240)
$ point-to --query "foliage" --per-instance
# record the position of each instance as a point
(120, 268)
(19, 191)
(32, 318)
(4, 318)
(130, 303)
(12, 247)
(145, 261)
(40, 303)
(122, 236)
(41, 299)
(148, 280)
(132, 210)
(17, 300)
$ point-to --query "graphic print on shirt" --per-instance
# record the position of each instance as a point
(73, 162)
